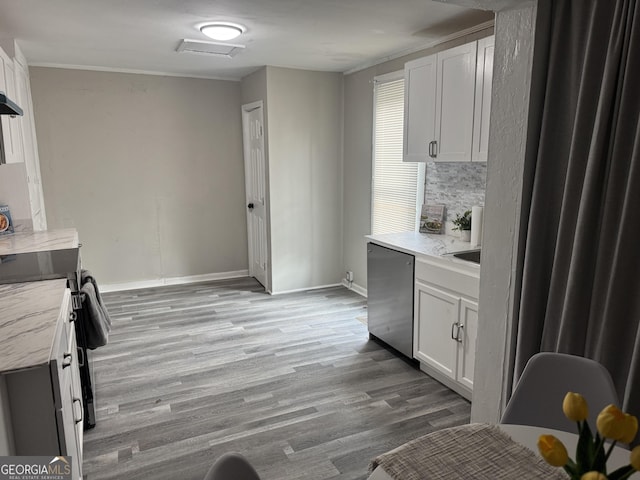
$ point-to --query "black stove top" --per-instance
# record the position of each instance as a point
(35, 266)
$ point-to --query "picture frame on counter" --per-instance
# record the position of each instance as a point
(432, 218)
(6, 224)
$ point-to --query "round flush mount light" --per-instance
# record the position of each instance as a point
(222, 30)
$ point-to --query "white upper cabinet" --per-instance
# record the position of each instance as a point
(30, 145)
(484, 79)
(455, 91)
(419, 108)
(19, 133)
(11, 126)
(445, 121)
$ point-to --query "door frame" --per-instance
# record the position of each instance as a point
(246, 109)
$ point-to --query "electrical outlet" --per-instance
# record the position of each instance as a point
(349, 276)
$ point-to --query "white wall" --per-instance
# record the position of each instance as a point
(149, 169)
(305, 177)
(510, 99)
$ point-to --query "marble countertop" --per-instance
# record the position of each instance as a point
(424, 244)
(28, 322)
(38, 241)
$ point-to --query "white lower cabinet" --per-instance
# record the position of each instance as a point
(45, 402)
(446, 324)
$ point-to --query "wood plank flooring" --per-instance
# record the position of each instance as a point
(291, 381)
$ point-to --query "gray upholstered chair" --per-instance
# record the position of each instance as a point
(546, 378)
(232, 466)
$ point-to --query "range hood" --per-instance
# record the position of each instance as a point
(7, 107)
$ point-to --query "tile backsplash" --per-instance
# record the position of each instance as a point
(459, 186)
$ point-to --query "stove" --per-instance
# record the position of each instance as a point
(49, 265)
(36, 266)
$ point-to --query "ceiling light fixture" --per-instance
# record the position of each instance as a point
(222, 31)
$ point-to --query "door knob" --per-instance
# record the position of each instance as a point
(250, 206)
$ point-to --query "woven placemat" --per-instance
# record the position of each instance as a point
(475, 451)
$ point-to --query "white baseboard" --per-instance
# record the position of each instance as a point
(295, 290)
(160, 282)
(355, 287)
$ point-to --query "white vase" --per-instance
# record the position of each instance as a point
(465, 235)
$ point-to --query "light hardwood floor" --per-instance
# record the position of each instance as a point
(291, 381)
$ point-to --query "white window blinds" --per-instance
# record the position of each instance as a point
(397, 186)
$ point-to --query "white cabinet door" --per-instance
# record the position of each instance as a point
(436, 321)
(455, 91)
(29, 147)
(467, 342)
(419, 108)
(482, 110)
(11, 132)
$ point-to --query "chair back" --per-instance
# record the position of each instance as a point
(546, 379)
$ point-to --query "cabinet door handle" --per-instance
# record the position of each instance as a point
(73, 316)
(433, 149)
(67, 359)
(454, 325)
(458, 339)
(81, 411)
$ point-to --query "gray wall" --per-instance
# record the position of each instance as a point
(358, 122)
(149, 169)
(305, 177)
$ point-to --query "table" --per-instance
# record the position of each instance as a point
(528, 436)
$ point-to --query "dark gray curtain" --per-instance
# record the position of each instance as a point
(580, 285)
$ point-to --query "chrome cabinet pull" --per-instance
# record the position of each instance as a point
(453, 328)
(433, 149)
(458, 339)
(81, 412)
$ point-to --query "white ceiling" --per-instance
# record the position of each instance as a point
(142, 35)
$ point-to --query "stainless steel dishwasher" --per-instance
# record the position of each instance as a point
(390, 283)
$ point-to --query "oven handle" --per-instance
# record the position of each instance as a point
(81, 358)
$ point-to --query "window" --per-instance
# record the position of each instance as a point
(397, 187)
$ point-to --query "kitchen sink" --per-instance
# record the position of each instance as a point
(469, 256)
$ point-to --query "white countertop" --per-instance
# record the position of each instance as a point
(30, 313)
(38, 241)
(425, 244)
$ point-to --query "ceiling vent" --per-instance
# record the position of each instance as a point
(227, 50)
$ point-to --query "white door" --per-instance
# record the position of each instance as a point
(455, 91)
(255, 187)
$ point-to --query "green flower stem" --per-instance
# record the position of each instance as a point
(600, 442)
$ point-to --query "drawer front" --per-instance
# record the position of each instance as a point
(449, 278)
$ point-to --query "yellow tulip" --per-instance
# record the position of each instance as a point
(553, 450)
(611, 423)
(630, 428)
(575, 407)
(593, 476)
(635, 458)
